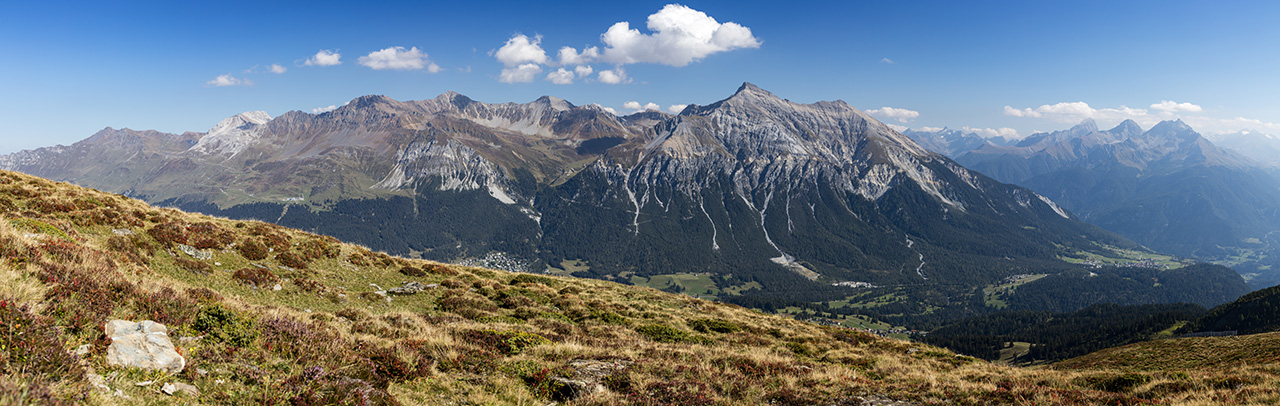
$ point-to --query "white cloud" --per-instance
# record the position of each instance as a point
(902, 115)
(433, 68)
(1005, 132)
(396, 58)
(898, 128)
(324, 58)
(929, 129)
(886, 60)
(613, 77)
(319, 110)
(637, 107)
(583, 70)
(570, 55)
(1175, 107)
(681, 35)
(676, 108)
(521, 50)
(228, 80)
(277, 69)
(560, 77)
(520, 74)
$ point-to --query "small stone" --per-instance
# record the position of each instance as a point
(176, 387)
(145, 383)
(121, 231)
(169, 389)
(83, 350)
(277, 287)
(217, 264)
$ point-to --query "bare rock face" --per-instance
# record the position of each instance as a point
(144, 344)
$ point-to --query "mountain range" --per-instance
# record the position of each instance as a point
(1168, 188)
(756, 195)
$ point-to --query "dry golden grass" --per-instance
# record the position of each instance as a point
(480, 337)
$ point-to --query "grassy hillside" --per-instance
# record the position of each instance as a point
(278, 316)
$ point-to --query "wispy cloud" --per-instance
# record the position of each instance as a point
(329, 108)
(1193, 114)
(324, 58)
(228, 80)
(1005, 132)
(887, 60)
(902, 115)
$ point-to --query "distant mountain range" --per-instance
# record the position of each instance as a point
(1168, 188)
(755, 195)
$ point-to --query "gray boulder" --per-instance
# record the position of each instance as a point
(144, 345)
(410, 288)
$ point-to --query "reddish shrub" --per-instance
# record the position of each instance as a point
(208, 235)
(166, 307)
(252, 249)
(31, 344)
(256, 277)
(412, 272)
(168, 233)
(292, 260)
(316, 248)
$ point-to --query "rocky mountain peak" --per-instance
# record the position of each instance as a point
(555, 103)
(1126, 129)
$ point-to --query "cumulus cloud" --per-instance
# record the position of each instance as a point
(613, 77)
(676, 108)
(396, 58)
(1074, 112)
(521, 50)
(1175, 107)
(228, 80)
(1005, 132)
(583, 70)
(277, 69)
(637, 107)
(560, 77)
(433, 68)
(680, 35)
(329, 108)
(520, 74)
(570, 55)
(898, 128)
(902, 115)
(324, 58)
(930, 129)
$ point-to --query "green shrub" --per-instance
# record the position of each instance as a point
(713, 325)
(530, 278)
(505, 342)
(608, 317)
(667, 334)
(225, 325)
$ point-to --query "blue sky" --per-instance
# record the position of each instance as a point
(996, 67)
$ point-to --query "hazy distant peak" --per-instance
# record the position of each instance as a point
(1126, 128)
(1086, 126)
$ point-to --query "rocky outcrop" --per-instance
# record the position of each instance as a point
(143, 344)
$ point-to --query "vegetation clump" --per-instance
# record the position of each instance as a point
(252, 249)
